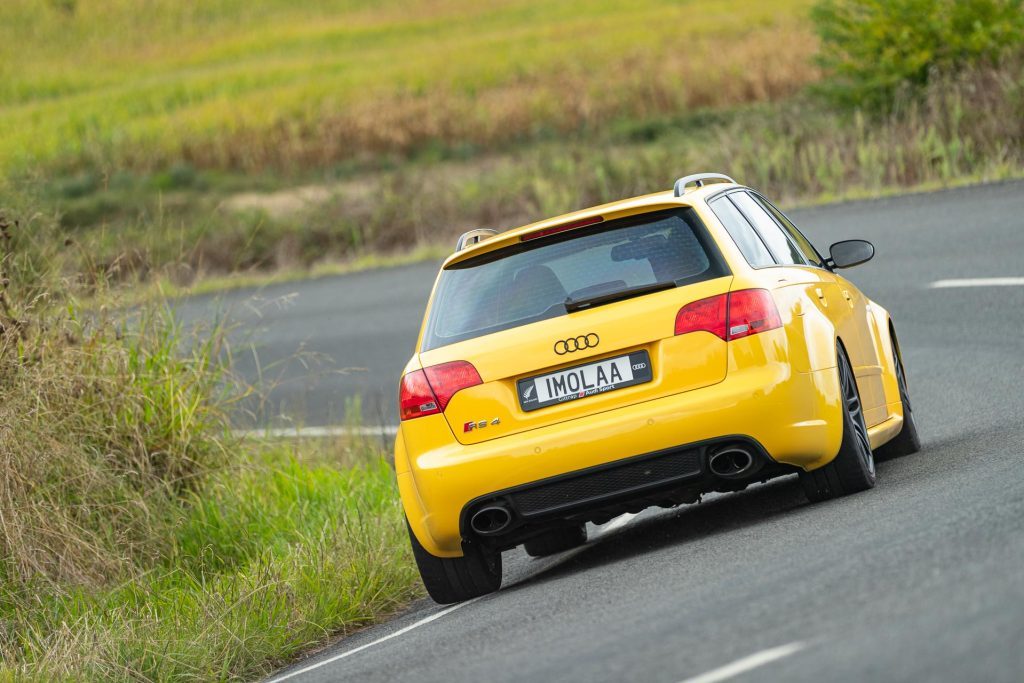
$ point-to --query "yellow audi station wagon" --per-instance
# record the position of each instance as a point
(640, 353)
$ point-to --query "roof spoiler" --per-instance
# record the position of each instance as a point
(699, 180)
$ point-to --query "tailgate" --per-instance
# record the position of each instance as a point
(625, 334)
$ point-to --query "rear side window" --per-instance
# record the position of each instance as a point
(531, 281)
(782, 248)
(802, 243)
(742, 233)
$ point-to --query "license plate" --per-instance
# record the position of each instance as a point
(582, 381)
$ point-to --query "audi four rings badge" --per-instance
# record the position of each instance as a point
(573, 344)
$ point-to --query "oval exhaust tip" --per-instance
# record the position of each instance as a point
(731, 462)
(490, 520)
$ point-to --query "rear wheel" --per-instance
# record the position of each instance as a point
(907, 441)
(853, 468)
(457, 579)
(556, 541)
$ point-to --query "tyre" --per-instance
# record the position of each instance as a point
(907, 441)
(556, 541)
(853, 468)
(457, 579)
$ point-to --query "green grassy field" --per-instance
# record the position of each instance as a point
(179, 144)
(229, 84)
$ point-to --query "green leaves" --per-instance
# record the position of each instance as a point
(875, 50)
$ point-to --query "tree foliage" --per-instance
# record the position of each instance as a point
(873, 49)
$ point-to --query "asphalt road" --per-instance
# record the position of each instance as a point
(315, 347)
(921, 578)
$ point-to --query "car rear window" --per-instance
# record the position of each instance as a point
(531, 281)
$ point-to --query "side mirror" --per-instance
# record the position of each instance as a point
(849, 253)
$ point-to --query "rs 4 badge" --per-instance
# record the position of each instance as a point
(470, 426)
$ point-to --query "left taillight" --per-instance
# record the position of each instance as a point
(415, 399)
(428, 391)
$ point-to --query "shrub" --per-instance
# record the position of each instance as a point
(873, 49)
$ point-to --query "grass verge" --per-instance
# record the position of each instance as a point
(273, 557)
(270, 560)
(140, 539)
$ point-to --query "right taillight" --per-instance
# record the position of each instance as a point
(428, 391)
(730, 316)
(752, 311)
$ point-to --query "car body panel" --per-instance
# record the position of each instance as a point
(680, 363)
(778, 387)
(796, 414)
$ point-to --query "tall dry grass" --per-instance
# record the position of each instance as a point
(104, 425)
(967, 125)
(139, 539)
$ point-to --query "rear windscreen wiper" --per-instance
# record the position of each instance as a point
(572, 305)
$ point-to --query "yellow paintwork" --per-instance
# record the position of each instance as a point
(687, 362)
(779, 387)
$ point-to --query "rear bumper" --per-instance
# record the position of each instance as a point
(792, 416)
(598, 494)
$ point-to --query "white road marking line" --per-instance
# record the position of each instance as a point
(747, 663)
(316, 432)
(617, 523)
(979, 282)
(347, 653)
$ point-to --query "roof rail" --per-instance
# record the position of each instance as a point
(473, 237)
(700, 180)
